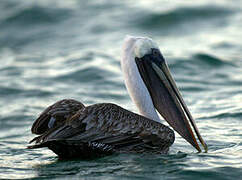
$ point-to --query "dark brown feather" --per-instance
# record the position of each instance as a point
(107, 125)
(60, 111)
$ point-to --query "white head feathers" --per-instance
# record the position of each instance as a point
(139, 45)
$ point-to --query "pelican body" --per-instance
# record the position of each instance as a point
(71, 129)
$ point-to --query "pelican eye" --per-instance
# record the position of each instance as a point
(155, 52)
(137, 59)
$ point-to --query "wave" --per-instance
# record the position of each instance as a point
(210, 60)
(87, 74)
(36, 15)
(171, 20)
(13, 91)
(231, 115)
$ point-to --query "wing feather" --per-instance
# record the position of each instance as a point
(55, 115)
(109, 125)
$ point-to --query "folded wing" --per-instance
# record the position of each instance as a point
(102, 129)
(55, 115)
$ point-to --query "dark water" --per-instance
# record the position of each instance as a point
(52, 49)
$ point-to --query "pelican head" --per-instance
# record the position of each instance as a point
(151, 87)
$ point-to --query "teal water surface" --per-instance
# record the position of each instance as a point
(50, 50)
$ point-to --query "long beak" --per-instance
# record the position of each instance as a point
(167, 98)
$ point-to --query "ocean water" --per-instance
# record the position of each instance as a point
(51, 49)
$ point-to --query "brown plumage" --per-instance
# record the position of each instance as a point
(60, 111)
(97, 130)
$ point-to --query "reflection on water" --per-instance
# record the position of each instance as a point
(71, 49)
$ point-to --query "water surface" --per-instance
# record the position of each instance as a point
(50, 50)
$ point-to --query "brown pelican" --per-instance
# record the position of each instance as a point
(71, 129)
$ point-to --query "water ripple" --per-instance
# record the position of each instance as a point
(51, 50)
(167, 21)
(35, 15)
